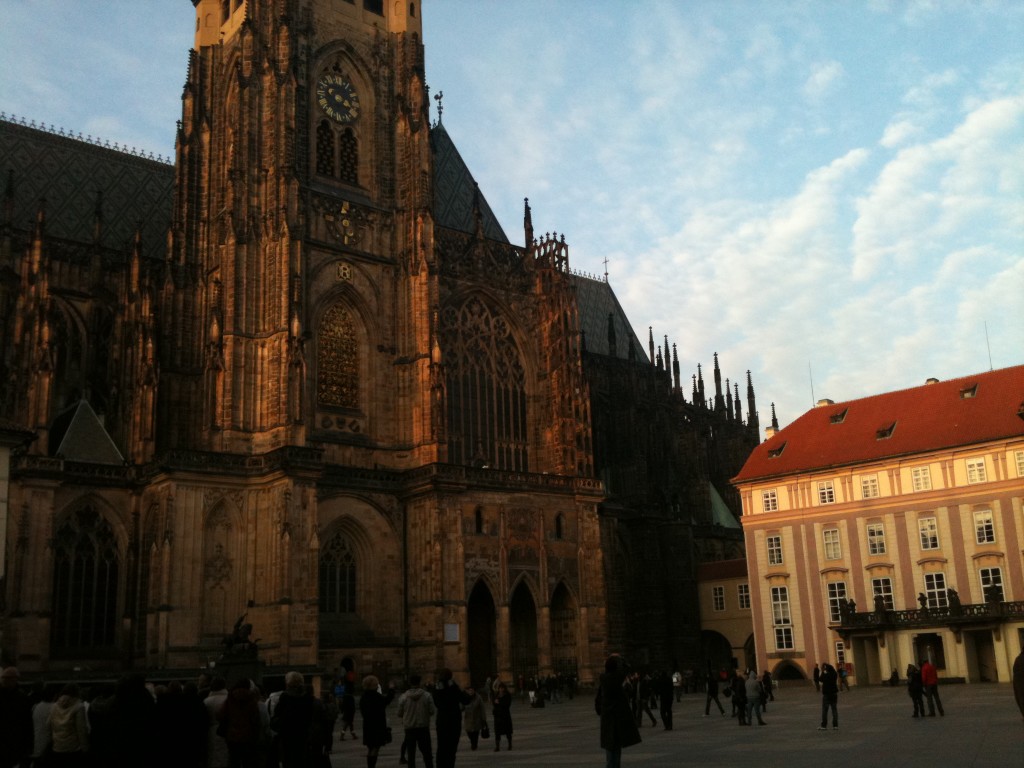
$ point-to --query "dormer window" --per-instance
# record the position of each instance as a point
(838, 418)
(968, 392)
(885, 432)
(774, 453)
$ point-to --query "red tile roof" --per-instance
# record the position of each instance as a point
(931, 417)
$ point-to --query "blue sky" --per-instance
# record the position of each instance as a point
(832, 189)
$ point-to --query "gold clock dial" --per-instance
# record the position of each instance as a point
(338, 98)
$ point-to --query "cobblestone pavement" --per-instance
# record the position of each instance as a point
(982, 727)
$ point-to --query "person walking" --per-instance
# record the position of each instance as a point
(739, 697)
(502, 714)
(915, 690)
(618, 726)
(416, 707)
(843, 673)
(449, 700)
(240, 725)
(474, 718)
(373, 706)
(663, 687)
(768, 686)
(829, 696)
(299, 720)
(755, 694)
(930, 681)
(69, 730)
(677, 684)
(711, 683)
(817, 678)
(216, 748)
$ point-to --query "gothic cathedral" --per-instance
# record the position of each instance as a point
(305, 376)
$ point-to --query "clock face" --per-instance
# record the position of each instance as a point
(337, 98)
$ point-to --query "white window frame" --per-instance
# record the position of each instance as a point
(976, 471)
(781, 619)
(883, 586)
(769, 501)
(835, 596)
(935, 589)
(840, 654)
(876, 538)
(774, 550)
(991, 577)
(984, 526)
(928, 529)
(869, 487)
(922, 478)
(826, 492)
(831, 544)
(743, 596)
(718, 598)
(1019, 456)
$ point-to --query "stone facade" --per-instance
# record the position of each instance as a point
(319, 386)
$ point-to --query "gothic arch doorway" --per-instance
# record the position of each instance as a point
(523, 631)
(483, 646)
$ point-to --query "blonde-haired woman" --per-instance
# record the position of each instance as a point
(373, 707)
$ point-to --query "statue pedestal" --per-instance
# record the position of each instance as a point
(233, 669)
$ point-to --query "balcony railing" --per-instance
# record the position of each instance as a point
(956, 617)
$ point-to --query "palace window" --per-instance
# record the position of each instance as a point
(486, 388)
(840, 654)
(869, 487)
(984, 527)
(929, 530)
(85, 577)
(991, 584)
(337, 360)
(1019, 455)
(743, 596)
(769, 501)
(922, 478)
(826, 492)
(833, 549)
(935, 590)
(836, 597)
(337, 576)
(876, 538)
(781, 619)
(718, 598)
(976, 471)
(774, 550)
(883, 587)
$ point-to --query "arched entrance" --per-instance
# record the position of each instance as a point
(483, 647)
(716, 650)
(523, 630)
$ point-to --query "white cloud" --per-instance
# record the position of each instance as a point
(824, 76)
(898, 132)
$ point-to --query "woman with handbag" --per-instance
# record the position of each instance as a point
(474, 718)
(373, 707)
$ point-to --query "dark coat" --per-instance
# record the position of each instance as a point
(829, 681)
(373, 710)
(1018, 681)
(502, 714)
(449, 700)
(618, 727)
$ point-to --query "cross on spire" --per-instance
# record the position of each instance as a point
(606, 269)
(439, 98)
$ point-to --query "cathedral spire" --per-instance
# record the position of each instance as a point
(650, 341)
(694, 396)
(675, 369)
(752, 407)
(728, 400)
(775, 421)
(736, 400)
(700, 386)
(719, 400)
(667, 355)
(528, 223)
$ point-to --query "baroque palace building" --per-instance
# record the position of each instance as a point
(890, 529)
(304, 375)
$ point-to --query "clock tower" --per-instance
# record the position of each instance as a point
(302, 234)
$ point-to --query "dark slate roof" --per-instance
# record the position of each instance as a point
(596, 301)
(69, 172)
(455, 188)
(946, 414)
(721, 569)
(79, 436)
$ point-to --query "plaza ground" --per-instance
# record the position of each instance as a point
(982, 727)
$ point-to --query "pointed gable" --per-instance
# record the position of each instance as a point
(943, 415)
(596, 301)
(455, 190)
(79, 435)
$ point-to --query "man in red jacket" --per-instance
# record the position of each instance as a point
(930, 681)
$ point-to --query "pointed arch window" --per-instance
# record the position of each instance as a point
(325, 149)
(486, 390)
(338, 576)
(349, 155)
(337, 360)
(85, 583)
